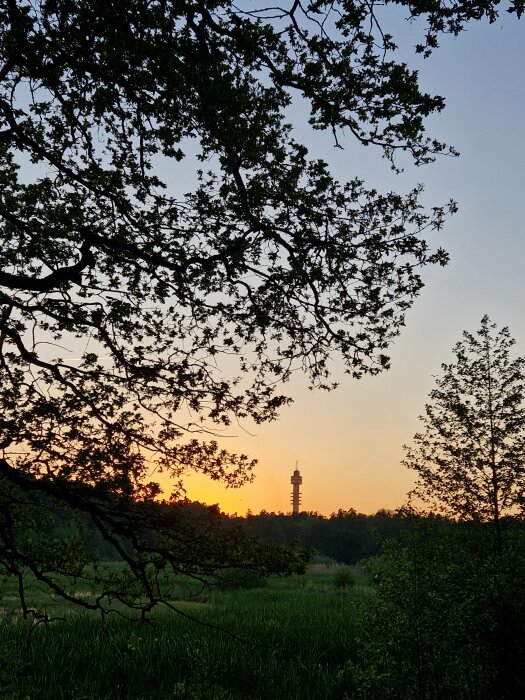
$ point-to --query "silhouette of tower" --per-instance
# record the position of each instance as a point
(295, 499)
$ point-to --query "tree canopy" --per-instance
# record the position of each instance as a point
(135, 317)
(470, 458)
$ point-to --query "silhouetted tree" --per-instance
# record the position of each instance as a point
(346, 536)
(133, 319)
(470, 458)
(447, 618)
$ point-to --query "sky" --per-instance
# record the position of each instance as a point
(348, 443)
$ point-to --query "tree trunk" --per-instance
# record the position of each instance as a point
(495, 507)
(493, 464)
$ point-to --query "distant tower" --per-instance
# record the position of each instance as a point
(296, 480)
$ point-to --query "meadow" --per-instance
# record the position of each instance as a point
(290, 638)
(439, 615)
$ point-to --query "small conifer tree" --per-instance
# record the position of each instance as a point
(470, 456)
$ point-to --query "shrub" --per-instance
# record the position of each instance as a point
(343, 577)
(446, 620)
(323, 559)
(236, 579)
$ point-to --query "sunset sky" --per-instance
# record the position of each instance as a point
(349, 442)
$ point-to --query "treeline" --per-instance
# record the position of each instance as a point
(345, 536)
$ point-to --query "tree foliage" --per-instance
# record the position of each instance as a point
(446, 618)
(471, 455)
(346, 537)
(135, 316)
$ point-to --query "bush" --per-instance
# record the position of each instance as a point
(324, 559)
(236, 579)
(446, 619)
(343, 577)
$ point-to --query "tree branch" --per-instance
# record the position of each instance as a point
(56, 279)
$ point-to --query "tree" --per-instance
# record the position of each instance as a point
(470, 457)
(135, 320)
(447, 618)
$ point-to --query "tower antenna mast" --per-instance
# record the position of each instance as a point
(296, 480)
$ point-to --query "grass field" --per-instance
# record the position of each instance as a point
(298, 632)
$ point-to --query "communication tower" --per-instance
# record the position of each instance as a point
(295, 499)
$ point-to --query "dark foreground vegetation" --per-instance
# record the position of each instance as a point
(439, 614)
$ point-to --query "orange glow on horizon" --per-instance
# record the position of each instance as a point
(348, 444)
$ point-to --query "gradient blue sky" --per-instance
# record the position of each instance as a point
(349, 442)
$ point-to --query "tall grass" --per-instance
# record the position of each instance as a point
(296, 634)
(436, 618)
